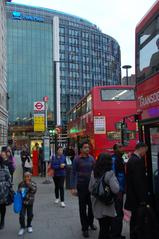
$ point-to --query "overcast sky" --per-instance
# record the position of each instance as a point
(117, 18)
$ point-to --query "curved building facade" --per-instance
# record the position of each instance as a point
(53, 53)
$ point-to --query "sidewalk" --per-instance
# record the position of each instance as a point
(50, 221)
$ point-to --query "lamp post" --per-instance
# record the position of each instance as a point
(46, 139)
(127, 67)
(57, 100)
(57, 93)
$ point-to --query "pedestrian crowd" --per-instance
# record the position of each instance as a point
(104, 187)
(27, 187)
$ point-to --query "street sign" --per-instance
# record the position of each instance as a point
(39, 116)
(39, 122)
(46, 149)
(118, 125)
(39, 106)
(46, 98)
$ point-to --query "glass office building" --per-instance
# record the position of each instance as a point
(41, 41)
(3, 85)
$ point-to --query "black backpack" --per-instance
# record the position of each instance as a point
(102, 191)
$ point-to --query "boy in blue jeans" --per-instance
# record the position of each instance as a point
(28, 189)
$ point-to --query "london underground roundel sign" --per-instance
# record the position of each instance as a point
(39, 106)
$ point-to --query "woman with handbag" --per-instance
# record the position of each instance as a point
(103, 211)
(5, 191)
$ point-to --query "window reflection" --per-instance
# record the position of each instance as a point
(148, 51)
(149, 57)
(117, 94)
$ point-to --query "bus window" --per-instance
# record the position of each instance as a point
(117, 94)
(148, 51)
(74, 115)
(84, 108)
(89, 103)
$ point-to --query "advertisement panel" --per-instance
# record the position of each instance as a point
(99, 125)
(46, 149)
(39, 123)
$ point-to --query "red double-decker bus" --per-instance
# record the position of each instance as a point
(98, 117)
(147, 76)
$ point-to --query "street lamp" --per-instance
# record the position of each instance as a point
(57, 108)
(127, 67)
(57, 93)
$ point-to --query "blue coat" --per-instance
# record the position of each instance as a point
(55, 164)
(118, 167)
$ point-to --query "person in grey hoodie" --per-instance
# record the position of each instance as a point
(102, 212)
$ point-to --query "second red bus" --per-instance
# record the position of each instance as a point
(98, 117)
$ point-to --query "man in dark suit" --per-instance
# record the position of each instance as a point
(137, 185)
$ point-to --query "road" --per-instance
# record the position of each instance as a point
(50, 221)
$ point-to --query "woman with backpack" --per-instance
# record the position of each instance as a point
(103, 205)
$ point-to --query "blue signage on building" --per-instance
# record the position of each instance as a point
(20, 16)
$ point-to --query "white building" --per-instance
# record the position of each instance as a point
(3, 83)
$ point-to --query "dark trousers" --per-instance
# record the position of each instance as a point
(43, 169)
(85, 207)
(117, 222)
(29, 210)
(59, 187)
(104, 227)
(133, 225)
(12, 177)
(2, 212)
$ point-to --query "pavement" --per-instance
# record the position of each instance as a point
(50, 220)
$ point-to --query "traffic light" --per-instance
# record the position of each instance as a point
(125, 134)
(52, 132)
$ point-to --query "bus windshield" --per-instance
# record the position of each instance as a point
(148, 51)
(117, 94)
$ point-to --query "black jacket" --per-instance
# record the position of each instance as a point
(136, 183)
(5, 184)
(31, 191)
(10, 166)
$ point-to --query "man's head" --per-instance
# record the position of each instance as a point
(118, 148)
(9, 154)
(141, 149)
(4, 155)
(59, 151)
(27, 177)
(84, 147)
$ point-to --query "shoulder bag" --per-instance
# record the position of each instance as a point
(102, 191)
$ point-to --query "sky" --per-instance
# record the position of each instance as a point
(117, 18)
